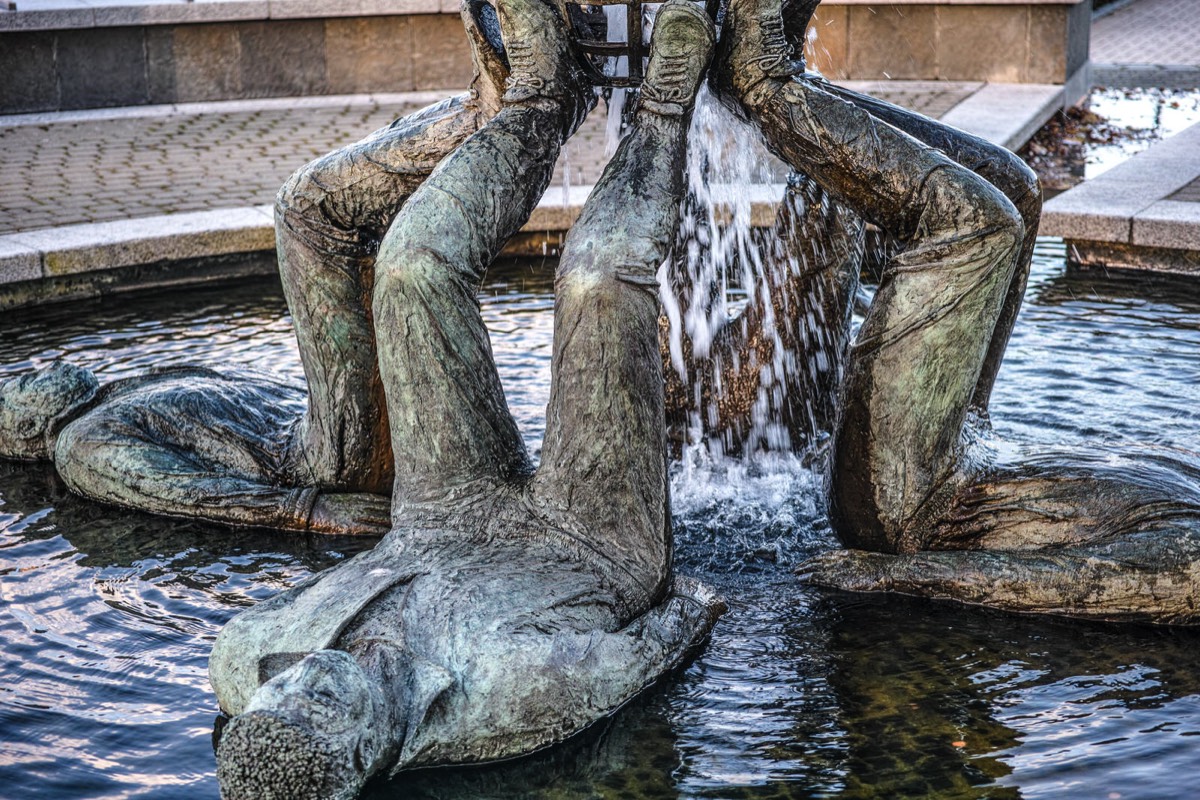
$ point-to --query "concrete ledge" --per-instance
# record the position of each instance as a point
(58, 14)
(1146, 76)
(18, 262)
(224, 107)
(1007, 114)
(189, 240)
(1104, 208)
(75, 249)
(1125, 219)
(1168, 224)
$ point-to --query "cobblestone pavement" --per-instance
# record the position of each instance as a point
(96, 170)
(1158, 32)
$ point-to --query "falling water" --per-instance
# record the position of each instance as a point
(723, 254)
(618, 67)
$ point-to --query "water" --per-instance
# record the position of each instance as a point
(107, 616)
(1150, 115)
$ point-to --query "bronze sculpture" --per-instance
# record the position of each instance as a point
(507, 608)
(913, 486)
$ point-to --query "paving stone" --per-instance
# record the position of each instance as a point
(100, 166)
(1168, 224)
(1160, 32)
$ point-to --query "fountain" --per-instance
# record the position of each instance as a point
(807, 208)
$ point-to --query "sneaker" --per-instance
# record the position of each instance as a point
(680, 49)
(542, 63)
(755, 45)
(491, 72)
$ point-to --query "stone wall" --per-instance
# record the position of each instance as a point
(175, 52)
(1032, 42)
(52, 70)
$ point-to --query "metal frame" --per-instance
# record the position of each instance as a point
(635, 47)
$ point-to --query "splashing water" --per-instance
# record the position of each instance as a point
(723, 265)
(617, 32)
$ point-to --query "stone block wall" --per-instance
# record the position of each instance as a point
(1013, 42)
(187, 52)
(52, 70)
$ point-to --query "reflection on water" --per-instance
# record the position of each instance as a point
(107, 617)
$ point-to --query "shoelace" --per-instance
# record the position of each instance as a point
(671, 86)
(522, 64)
(775, 44)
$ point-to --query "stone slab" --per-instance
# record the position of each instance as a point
(76, 249)
(1168, 224)
(1189, 193)
(18, 262)
(318, 9)
(36, 15)
(157, 12)
(1105, 208)
(102, 67)
(1007, 114)
(27, 65)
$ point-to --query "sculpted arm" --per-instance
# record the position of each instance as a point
(1143, 577)
(101, 458)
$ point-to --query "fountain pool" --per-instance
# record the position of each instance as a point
(107, 616)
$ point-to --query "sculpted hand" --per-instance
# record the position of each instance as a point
(1138, 577)
(351, 514)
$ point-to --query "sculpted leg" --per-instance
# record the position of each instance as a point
(486, 636)
(182, 442)
(603, 464)
(450, 425)
(919, 356)
(1109, 535)
(1001, 168)
(330, 217)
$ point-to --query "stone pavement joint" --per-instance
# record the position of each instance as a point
(1188, 194)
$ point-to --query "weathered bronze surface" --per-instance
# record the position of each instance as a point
(508, 607)
(913, 486)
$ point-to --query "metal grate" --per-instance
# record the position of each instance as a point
(589, 30)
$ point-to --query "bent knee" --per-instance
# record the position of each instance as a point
(1018, 182)
(301, 191)
(400, 268)
(314, 194)
(608, 285)
(958, 204)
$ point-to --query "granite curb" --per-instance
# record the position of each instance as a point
(419, 98)
(1130, 205)
(74, 249)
